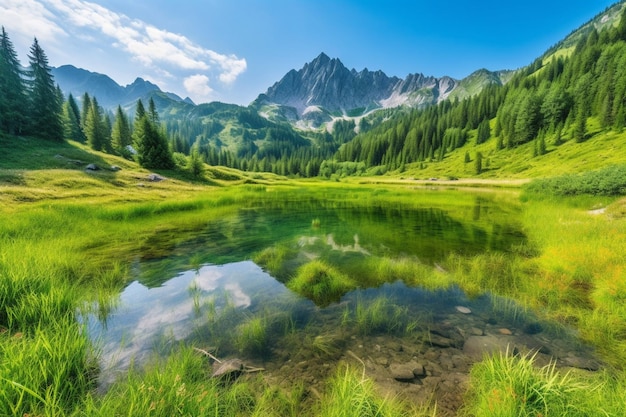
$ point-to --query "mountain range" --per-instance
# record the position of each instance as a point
(323, 90)
(309, 101)
(110, 94)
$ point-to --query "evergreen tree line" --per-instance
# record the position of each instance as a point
(555, 98)
(32, 105)
(255, 144)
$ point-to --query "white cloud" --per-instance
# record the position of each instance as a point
(198, 86)
(28, 19)
(152, 47)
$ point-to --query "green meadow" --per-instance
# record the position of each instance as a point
(68, 239)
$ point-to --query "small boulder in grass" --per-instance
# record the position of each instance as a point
(463, 310)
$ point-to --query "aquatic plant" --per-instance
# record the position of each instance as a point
(324, 345)
(509, 310)
(321, 283)
(380, 315)
(252, 337)
(274, 259)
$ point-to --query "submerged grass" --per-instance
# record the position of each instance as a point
(321, 283)
(380, 315)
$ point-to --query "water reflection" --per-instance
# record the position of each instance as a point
(148, 319)
(200, 285)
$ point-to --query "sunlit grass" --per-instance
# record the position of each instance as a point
(507, 386)
(350, 393)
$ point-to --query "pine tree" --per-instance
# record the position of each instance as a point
(12, 89)
(478, 163)
(484, 132)
(94, 127)
(71, 125)
(72, 107)
(151, 145)
(121, 135)
(152, 112)
(86, 107)
(580, 126)
(140, 111)
(45, 107)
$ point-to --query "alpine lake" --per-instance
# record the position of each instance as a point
(295, 282)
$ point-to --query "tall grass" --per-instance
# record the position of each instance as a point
(179, 385)
(55, 255)
(507, 386)
(351, 394)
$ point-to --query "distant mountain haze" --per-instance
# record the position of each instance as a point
(110, 94)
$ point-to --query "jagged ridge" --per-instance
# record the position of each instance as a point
(325, 88)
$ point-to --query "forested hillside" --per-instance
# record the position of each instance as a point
(551, 101)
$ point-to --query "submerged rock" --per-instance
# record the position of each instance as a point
(229, 369)
(405, 372)
(463, 310)
(401, 372)
(533, 328)
(478, 346)
(581, 363)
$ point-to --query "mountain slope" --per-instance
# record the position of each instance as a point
(545, 107)
(610, 17)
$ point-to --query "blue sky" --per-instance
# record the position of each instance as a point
(233, 50)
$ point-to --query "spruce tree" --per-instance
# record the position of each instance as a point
(580, 126)
(86, 107)
(94, 127)
(152, 112)
(151, 145)
(478, 163)
(12, 89)
(72, 107)
(71, 125)
(45, 107)
(484, 132)
(120, 135)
